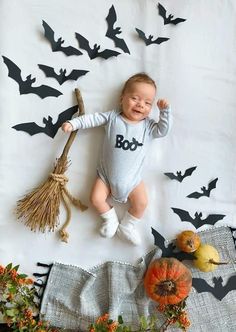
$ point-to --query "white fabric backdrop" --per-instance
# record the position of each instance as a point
(195, 70)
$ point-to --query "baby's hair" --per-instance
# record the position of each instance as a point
(138, 78)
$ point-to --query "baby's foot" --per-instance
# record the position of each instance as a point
(110, 223)
(127, 229)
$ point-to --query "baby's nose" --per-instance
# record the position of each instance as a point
(141, 104)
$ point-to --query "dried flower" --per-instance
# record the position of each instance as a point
(175, 314)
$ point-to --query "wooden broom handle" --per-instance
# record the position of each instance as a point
(73, 133)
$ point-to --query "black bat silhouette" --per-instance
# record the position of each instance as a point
(170, 250)
(197, 221)
(62, 77)
(205, 192)
(49, 129)
(111, 32)
(57, 45)
(219, 291)
(168, 19)
(94, 52)
(179, 177)
(233, 231)
(149, 40)
(26, 87)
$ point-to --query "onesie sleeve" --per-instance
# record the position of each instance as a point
(160, 128)
(90, 120)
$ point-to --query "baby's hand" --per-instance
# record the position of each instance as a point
(162, 104)
(66, 127)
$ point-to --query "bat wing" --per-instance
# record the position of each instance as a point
(44, 91)
(14, 71)
(213, 218)
(29, 127)
(111, 19)
(159, 40)
(177, 20)
(106, 54)
(122, 45)
(142, 35)
(182, 256)
(231, 284)
(212, 184)
(172, 176)
(162, 11)
(195, 194)
(83, 43)
(49, 34)
(66, 115)
(159, 240)
(69, 50)
(75, 74)
(48, 71)
(184, 215)
(202, 286)
(189, 171)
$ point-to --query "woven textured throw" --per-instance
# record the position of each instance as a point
(73, 298)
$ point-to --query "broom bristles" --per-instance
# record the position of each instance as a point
(40, 208)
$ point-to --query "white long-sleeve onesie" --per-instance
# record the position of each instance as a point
(124, 148)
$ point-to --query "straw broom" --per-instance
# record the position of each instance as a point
(40, 209)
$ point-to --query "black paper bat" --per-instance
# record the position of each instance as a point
(94, 52)
(170, 250)
(149, 40)
(179, 177)
(56, 45)
(219, 291)
(233, 231)
(49, 129)
(26, 87)
(111, 32)
(205, 192)
(168, 19)
(197, 221)
(62, 77)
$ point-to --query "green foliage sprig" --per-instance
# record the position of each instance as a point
(18, 306)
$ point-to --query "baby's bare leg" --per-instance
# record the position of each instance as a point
(138, 201)
(99, 194)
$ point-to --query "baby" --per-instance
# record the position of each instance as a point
(128, 132)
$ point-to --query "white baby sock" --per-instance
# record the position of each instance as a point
(127, 231)
(110, 223)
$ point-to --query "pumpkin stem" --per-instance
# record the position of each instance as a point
(217, 263)
(190, 243)
(168, 285)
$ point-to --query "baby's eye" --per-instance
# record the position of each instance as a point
(148, 103)
(134, 98)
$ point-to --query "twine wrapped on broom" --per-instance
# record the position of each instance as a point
(40, 209)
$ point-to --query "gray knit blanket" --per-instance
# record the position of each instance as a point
(74, 298)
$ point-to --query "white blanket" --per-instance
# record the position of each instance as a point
(195, 70)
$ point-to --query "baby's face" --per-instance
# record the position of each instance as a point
(137, 100)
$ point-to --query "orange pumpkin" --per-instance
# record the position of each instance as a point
(167, 281)
(188, 241)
